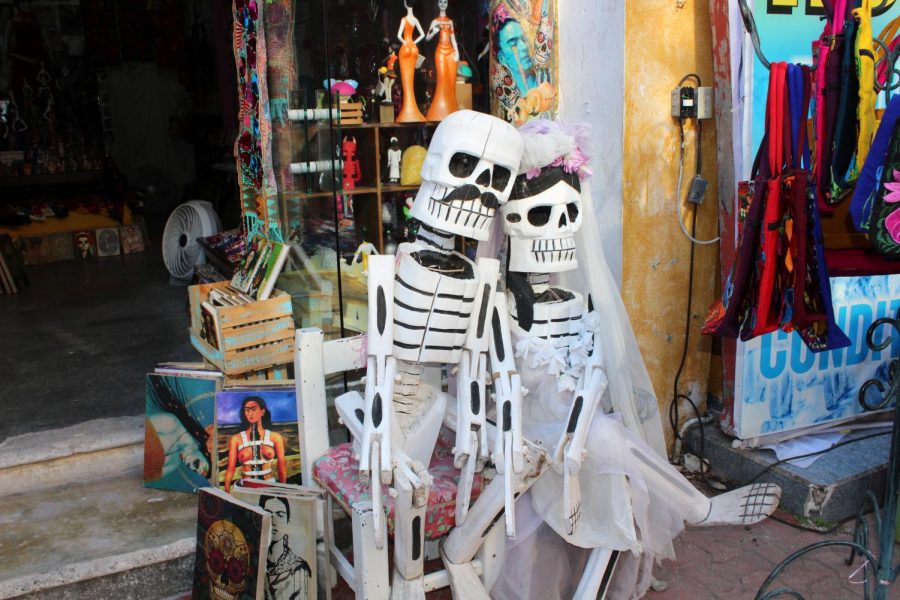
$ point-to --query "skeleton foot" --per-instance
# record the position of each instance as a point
(743, 506)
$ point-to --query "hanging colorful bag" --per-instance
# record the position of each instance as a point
(869, 177)
(765, 315)
(725, 316)
(845, 129)
(884, 228)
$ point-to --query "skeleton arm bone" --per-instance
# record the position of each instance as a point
(381, 368)
(433, 29)
(569, 452)
(471, 451)
(508, 450)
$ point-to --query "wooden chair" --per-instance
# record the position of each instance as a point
(333, 470)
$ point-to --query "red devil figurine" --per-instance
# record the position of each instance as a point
(352, 174)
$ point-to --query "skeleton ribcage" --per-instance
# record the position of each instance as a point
(432, 310)
(559, 322)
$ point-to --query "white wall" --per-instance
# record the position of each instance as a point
(592, 87)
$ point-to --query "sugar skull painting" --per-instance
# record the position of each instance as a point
(85, 244)
(231, 540)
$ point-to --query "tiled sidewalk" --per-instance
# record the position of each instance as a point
(732, 562)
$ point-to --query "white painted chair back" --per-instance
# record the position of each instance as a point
(314, 360)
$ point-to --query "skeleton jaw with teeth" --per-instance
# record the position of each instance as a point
(541, 218)
(468, 174)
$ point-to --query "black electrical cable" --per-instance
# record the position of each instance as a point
(676, 396)
(693, 76)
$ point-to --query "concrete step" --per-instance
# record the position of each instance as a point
(76, 522)
(829, 491)
(70, 454)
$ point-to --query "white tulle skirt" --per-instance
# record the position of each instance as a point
(619, 511)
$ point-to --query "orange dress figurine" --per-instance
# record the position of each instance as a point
(446, 60)
(409, 56)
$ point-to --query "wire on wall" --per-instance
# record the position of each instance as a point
(698, 161)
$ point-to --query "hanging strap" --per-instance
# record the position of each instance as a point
(865, 65)
(823, 46)
(776, 127)
(889, 32)
(795, 95)
(806, 73)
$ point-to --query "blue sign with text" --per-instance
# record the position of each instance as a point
(781, 386)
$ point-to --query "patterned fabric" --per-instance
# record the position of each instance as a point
(338, 472)
(253, 147)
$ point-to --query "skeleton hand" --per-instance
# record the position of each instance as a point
(411, 475)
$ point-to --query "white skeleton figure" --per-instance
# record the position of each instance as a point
(429, 305)
(559, 351)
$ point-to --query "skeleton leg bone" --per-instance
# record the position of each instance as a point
(370, 563)
(743, 506)
(413, 483)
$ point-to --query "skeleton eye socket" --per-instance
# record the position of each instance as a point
(539, 215)
(572, 209)
(513, 217)
(462, 164)
(501, 178)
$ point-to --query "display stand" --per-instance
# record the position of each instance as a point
(881, 566)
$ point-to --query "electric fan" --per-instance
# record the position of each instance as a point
(181, 251)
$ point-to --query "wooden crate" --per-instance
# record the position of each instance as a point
(279, 375)
(253, 336)
(351, 113)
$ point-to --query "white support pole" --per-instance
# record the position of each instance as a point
(464, 581)
(312, 409)
(492, 555)
(370, 565)
(463, 542)
(597, 573)
(441, 579)
(328, 515)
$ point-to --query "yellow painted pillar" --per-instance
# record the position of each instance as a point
(665, 40)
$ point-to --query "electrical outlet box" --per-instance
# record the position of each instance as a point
(698, 189)
(705, 103)
(684, 102)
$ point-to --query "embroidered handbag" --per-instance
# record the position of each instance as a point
(884, 227)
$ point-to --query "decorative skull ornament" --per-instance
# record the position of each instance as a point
(472, 162)
(227, 560)
(541, 218)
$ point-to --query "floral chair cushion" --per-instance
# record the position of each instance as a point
(337, 472)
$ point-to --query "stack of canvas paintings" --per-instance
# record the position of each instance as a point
(257, 436)
(259, 542)
(178, 428)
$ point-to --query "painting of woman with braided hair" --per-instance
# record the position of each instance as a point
(523, 67)
(178, 432)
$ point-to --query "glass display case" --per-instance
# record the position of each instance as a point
(343, 192)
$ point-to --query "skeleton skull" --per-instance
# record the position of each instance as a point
(227, 560)
(541, 218)
(472, 162)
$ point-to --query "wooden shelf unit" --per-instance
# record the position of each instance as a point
(372, 141)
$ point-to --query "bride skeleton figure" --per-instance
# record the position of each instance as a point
(612, 500)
